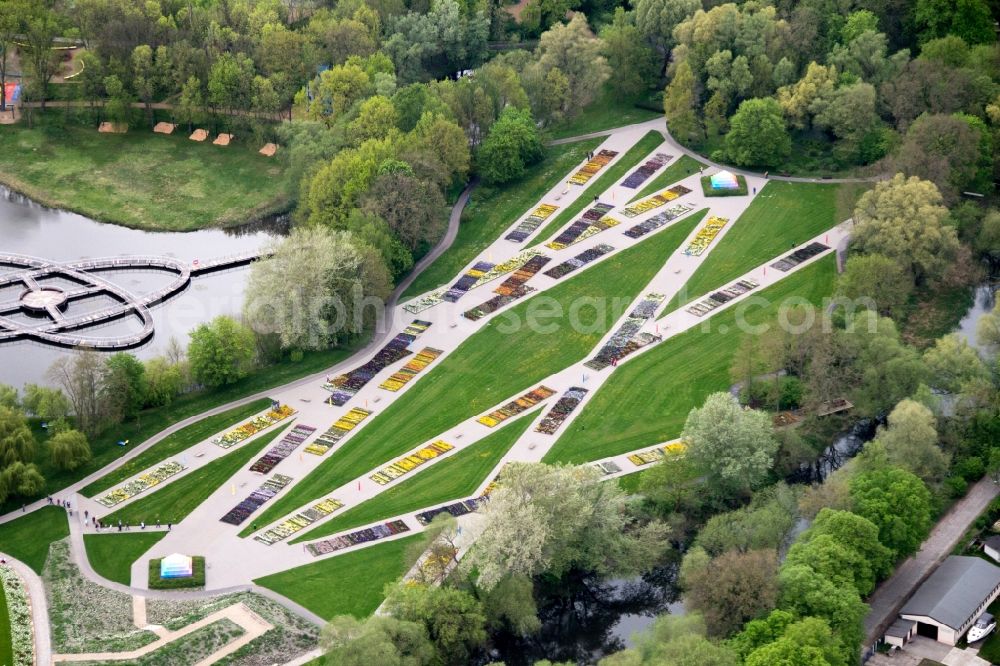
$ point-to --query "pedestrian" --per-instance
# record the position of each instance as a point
(86, 514)
(49, 498)
(142, 524)
(157, 523)
(168, 527)
(22, 508)
(765, 174)
(119, 526)
(755, 190)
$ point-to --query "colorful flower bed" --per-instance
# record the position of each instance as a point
(657, 221)
(399, 379)
(424, 302)
(530, 223)
(253, 426)
(343, 387)
(593, 221)
(802, 254)
(144, 482)
(282, 449)
(627, 338)
(579, 261)
(655, 201)
(659, 453)
(515, 407)
(22, 642)
(510, 289)
(642, 174)
(456, 509)
(338, 431)
(508, 266)
(608, 467)
(410, 462)
(722, 296)
(561, 410)
(299, 521)
(468, 280)
(257, 498)
(370, 534)
(706, 235)
(590, 169)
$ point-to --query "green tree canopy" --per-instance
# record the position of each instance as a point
(757, 134)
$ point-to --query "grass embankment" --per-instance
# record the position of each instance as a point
(105, 447)
(173, 502)
(679, 170)
(454, 478)
(176, 443)
(608, 111)
(28, 538)
(348, 584)
(143, 180)
(647, 399)
(492, 209)
(112, 555)
(6, 641)
(494, 363)
(606, 177)
(782, 215)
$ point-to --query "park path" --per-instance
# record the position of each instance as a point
(892, 593)
(39, 608)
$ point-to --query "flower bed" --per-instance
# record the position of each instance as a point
(561, 410)
(515, 407)
(627, 338)
(657, 221)
(399, 379)
(338, 431)
(456, 509)
(368, 535)
(508, 266)
(659, 453)
(608, 467)
(257, 498)
(579, 261)
(410, 462)
(299, 521)
(468, 280)
(655, 201)
(343, 387)
(594, 221)
(194, 581)
(802, 254)
(722, 296)
(282, 449)
(642, 174)
(705, 236)
(590, 169)
(510, 289)
(144, 482)
(424, 302)
(19, 610)
(530, 223)
(253, 426)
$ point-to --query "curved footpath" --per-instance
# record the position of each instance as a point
(39, 609)
(701, 158)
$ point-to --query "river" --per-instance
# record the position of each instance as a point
(28, 228)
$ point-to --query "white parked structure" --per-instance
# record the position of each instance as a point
(991, 547)
(951, 599)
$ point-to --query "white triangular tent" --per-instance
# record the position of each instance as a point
(724, 180)
(176, 566)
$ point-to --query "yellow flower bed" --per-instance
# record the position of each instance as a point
(410, 462)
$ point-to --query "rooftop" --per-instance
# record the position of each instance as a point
(953, 593)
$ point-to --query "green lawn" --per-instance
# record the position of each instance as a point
(141, 179)
(647, 399)
(679, 170)
(497, 361)
(28, 537)
(454, 478)
(608, 111)
(173, 502)
(782, 215)
(351, 583)
(6, 642)
(492, 209)
(176, 443)
(151, 421)
(112, 555)
(606, 177)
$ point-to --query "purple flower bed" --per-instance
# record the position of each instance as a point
(640, 175)
(511, 289)
(795, 258)
(656, 221)
(457, 509)
(467, 281)
(561, 410)
(282, 449)
(266, 491)
(580, 260)
(360, 536)
(345, 386)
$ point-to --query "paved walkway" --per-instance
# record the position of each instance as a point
(39, 608)
(890, 596)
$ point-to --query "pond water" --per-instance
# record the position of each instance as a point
(29, 228)
(981, 304)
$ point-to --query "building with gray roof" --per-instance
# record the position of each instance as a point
(950, 600)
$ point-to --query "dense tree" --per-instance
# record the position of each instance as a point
(808, 593)
(808, 642)
(897, 502)
(730, 589)
(572, 49)
(763, 525)
(39, 26)
(379, 639)
(969, 19)
(453, 618)
(877, 279)
(679, 101)
(20, 479)
(16, 441)
(678, 640)
(338, 186)
(511, 146)
(12, 13)
(844, 548)
(797, 99)
(190, 107)
(942, 149)
(69, 449)
(8, 397)
(79, 377)
(164, 381)
(953, 363)
(656, 20)
(733, 447)
(757, 134)
(123, 385)
(414, 209)
(911, 441)
(511, 604)
(634, 63)
(220, 351)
